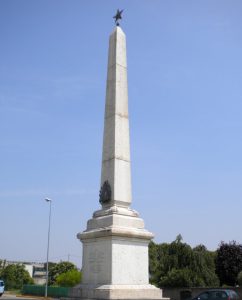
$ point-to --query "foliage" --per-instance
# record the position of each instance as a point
(178, 265)
(229, 262)
(15, 276)
(204, 266)
(153, 259)
(177, 278)
(2, 264)
(57, 269)
(239, 278)
(69, 279)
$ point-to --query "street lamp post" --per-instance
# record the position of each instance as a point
(47, 259)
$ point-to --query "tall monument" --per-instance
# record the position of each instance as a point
(115, 243)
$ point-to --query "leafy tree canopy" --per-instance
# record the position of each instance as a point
(178, 265)
(69, 279)
(15, 276)
(239, 278)
(229, 262)
(57, 269)
(2, 265)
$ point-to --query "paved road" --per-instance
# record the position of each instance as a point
(13, 297)
(9, 297)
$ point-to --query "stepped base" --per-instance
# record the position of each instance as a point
(114, 292)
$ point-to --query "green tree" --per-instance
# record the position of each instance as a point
(229, 262)
(2, 264)
(204, 265)
(69, 279)
(177, 278)
(57, 269)
(239, 278)
(178, 265)
(15, 276)
(153, 261)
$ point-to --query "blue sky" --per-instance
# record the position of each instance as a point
(185, 102)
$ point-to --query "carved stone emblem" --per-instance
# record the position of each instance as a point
(105, 193)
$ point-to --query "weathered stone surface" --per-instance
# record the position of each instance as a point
(115, 260)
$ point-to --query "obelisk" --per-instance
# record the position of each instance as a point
(116, 148)
(115, 243)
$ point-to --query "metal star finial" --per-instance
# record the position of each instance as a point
(118, 16)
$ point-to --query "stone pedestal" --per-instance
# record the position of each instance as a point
(115, 257)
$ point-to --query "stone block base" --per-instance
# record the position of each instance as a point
(114, 292)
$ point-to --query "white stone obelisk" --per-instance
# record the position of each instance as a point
(116, 148)
(115, 243)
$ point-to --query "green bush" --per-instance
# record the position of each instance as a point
(69, 279)
(56, 269)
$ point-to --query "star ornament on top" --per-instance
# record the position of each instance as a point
(118, 16)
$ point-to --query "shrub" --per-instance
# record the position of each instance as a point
(69, 279)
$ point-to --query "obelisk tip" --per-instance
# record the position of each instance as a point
(118, 30)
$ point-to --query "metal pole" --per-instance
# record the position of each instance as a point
(47, 260)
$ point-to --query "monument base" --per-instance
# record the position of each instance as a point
(114, 292)
(115, 258)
